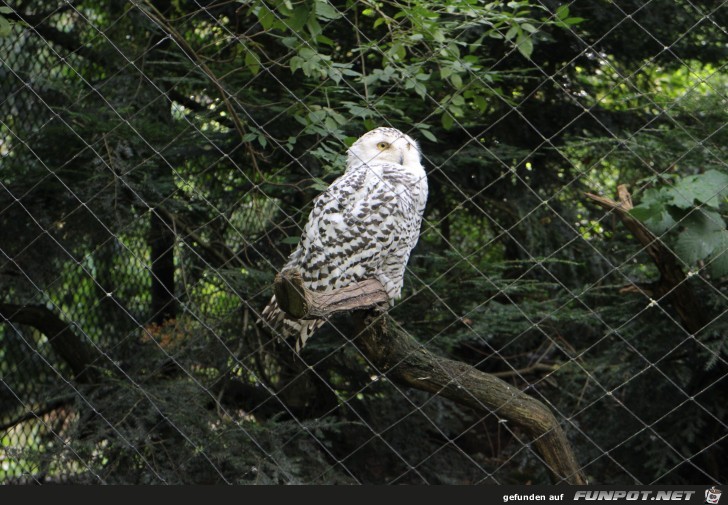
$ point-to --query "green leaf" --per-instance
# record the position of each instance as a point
(295, 63)
(710, 220)
(455, 110)
(266, 18)
(319, 184)
(447, 120)
(397, 51)
(680, 198)
(420, 89)
(334, 74)
(290, 42)
(314, 28)
(298, 18)
(655, 216)
(438, 36)
(425, 131)
(307, 53)
(719, 259)
(428, 135)
(708, 188)
(251, 61)
(705, 235)
(692, 246)
(325, 10)
(330, 124)
(456, 81)
(291, 240)
(358, 111)
(480, 103)
(562, 12)
(525, 45)
(5, 27)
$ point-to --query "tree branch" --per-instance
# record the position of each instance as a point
(407, 362)
(65, 342)
(71, 43)
(36, 413)
(671, 285)
(221, 254)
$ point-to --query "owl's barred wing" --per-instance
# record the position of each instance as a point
(327, 250)
(363, 226)
(364, 219)
(331, 233)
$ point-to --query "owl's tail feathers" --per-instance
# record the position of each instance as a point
(302, 329)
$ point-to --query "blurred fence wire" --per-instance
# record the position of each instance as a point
(158, 160)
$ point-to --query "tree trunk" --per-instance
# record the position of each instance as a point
(161, 242)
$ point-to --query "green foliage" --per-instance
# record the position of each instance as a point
(6, 27)
(689, 212)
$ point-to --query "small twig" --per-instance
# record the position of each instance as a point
(521, 371)
(159, 18)
(224, 254)
(361, 54)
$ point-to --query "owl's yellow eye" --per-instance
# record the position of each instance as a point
(382, 146)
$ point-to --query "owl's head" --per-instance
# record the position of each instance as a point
(384, 145)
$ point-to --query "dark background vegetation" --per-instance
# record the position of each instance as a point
(158, 159)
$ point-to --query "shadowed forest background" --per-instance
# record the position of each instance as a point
(158, 159)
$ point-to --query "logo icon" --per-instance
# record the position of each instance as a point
(712, 495)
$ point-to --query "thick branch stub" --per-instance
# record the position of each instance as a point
(291, 294)
(301, 303)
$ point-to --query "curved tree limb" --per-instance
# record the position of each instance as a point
(671, 285)
(65, 342)
(407, 362)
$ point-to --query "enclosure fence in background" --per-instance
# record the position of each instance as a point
(564, 314)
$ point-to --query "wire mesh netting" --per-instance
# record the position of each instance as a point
(158, 162)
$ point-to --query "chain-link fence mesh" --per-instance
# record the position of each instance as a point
(158, 162)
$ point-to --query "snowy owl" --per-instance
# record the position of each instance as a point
(363, 226)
